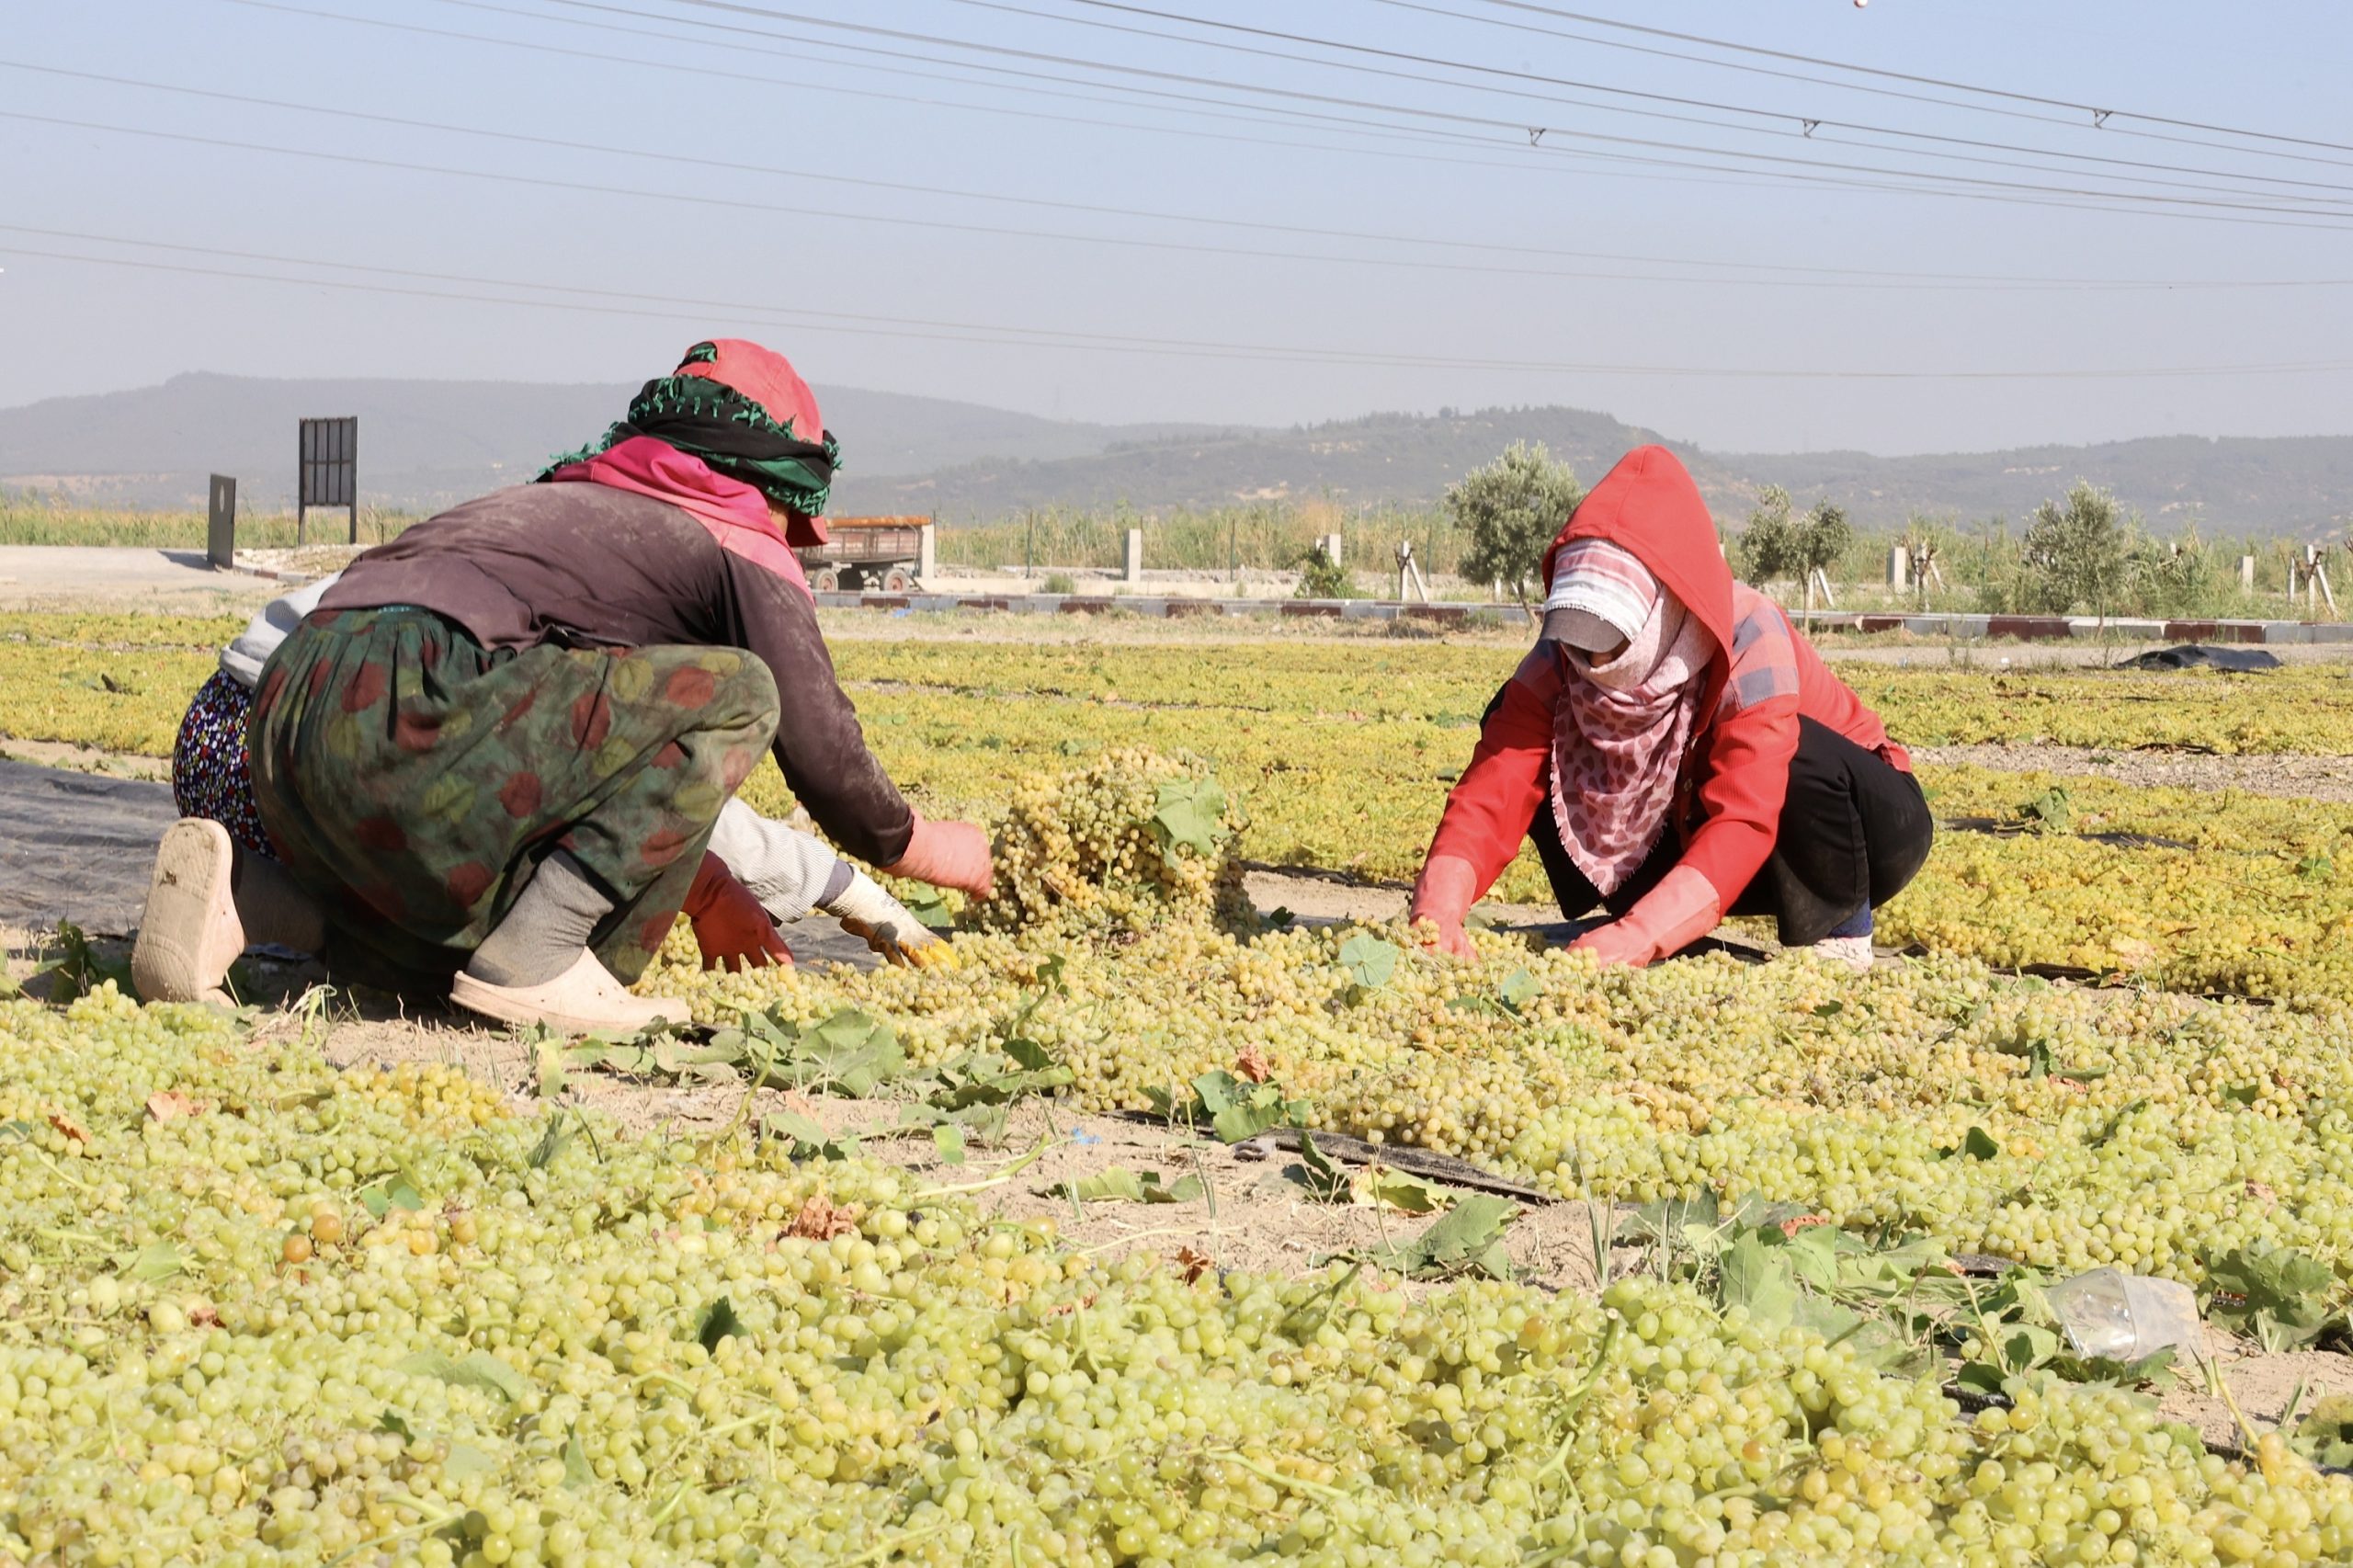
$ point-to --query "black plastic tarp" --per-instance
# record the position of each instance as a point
(2202, 656)
(77, 847)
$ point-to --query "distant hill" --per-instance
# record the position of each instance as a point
(424, 444)
(2295, 485)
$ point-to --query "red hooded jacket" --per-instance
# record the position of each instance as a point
(1763, 677)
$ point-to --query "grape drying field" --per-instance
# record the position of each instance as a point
(257, 1308)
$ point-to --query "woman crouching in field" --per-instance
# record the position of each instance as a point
(494, 755)
(1676, 751)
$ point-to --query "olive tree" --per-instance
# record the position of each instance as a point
(1776, 544)
(2076, 552)
(1509, 511)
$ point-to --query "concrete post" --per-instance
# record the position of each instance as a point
(1133, 571)
(221, 524)
(1331, 543)
(2246, 574)
(1899, 568)
(926, 550)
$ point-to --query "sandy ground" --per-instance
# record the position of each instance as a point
(42, 577)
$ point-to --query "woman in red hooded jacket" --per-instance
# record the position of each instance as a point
(1676, 751)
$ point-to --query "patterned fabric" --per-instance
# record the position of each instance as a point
(744, 410)
(1619, 735)
(1763, 654)
(210, 776)
(412, 781)
(1601, 595)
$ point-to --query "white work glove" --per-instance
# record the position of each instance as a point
(887, 925)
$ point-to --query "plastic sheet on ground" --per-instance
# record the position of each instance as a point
(77, 847)
(2201, 657)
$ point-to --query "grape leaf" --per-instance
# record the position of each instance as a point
(1325, 1182)
(1759, 1278)
(2278, 1295)
(718, 1322)
(553, 1141)
(849, 1053)
(948, 1138)
(1398, 1190)
(1190, 815)
(476, 1369)
(156, 1261)
(1118, 1184)
(929, 908)
(1518, 989)
(1370, 960)
(464, 1459)
(1467, 1239)
(385, 1194)
(578, 1472)
(392, 1421)
(1220, 1090)
(553, 1066)
(1978, 1145)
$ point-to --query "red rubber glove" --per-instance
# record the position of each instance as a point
(948, 855)
(1667, 919)
(731, 927)
(1443, 895)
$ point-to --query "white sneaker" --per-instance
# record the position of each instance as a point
(584, 999)
(189, 934)
(1853, 951)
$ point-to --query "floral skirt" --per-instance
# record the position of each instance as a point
(211, 776)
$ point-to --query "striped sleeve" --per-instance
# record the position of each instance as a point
(1764, 657)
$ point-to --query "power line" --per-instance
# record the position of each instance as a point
(1810, 276)
(1980, 187)
(2013, 192)
(1345, 125)
(1808, 122)
(1993, 109)
(2098, 113)
(1768, 71)
(1000, 336)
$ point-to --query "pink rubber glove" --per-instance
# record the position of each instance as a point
(1443, 895)
(948, 855)
(1667, 919)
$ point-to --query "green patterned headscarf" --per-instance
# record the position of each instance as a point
(736, 433)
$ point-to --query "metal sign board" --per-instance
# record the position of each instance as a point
(328, 469)
(220, 527)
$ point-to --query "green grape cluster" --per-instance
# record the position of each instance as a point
(1097, 850)
(311, 1317)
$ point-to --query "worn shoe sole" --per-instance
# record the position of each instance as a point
(1853, 951)
(189, 934)
(584, 999)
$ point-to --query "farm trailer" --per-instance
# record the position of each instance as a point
(889, 554)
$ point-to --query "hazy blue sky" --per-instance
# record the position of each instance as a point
(919, 304)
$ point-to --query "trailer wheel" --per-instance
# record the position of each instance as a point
(898, 580)
(824, 580)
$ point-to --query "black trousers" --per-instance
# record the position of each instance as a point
(1854, 830)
